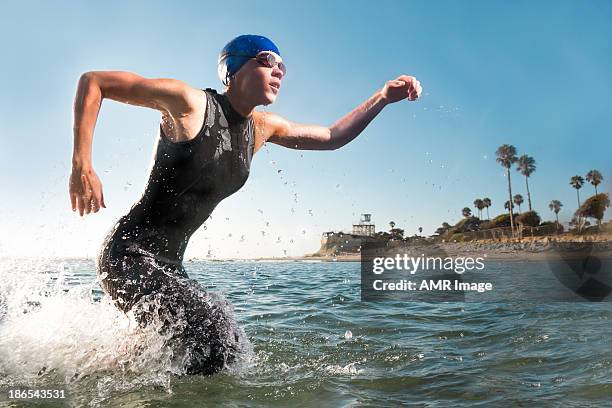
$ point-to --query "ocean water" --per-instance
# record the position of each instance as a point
(312, 343)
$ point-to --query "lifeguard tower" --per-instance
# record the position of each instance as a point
(365, 226)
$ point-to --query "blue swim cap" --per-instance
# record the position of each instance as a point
(237, 52)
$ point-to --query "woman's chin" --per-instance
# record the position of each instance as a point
(269, 98)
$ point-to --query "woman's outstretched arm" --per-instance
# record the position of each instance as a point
(173, 98)
(313, 137)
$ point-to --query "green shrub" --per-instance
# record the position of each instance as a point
(467, 224)
(594, 207)
(529, 219)
(485, 225)
(502, 220)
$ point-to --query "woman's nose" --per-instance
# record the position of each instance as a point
(276, 71)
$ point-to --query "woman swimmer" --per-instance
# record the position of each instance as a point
(203, 155)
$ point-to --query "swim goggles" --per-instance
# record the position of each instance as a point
(268, 59)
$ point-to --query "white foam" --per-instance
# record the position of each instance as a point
(55, 328)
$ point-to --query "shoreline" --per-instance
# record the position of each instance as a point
(529, 249)
(507, 257)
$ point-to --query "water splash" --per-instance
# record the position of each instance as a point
(50, 331)
(57, 328)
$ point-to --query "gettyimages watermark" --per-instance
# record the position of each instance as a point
(431, 275)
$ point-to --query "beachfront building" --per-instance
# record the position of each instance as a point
(365, 226)
(339, 242)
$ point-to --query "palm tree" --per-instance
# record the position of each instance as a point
(518, 200)
(526, 165)
(577, 182)
(420, 230)
(466, 212)
(487, 204)
(555, 205)
(392, 224)
(594, 177)
(509, 206)
(506, 156)
(479, 204)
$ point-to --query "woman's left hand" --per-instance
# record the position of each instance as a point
(400, 88)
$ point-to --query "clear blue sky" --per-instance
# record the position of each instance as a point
(532, 74)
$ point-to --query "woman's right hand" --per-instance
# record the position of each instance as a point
(85, 190)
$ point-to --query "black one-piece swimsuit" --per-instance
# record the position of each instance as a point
(140, 263)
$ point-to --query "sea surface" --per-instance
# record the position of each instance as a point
(313, 343)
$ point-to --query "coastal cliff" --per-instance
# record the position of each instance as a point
(347, 246)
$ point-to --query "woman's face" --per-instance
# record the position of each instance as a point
(257, 83)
